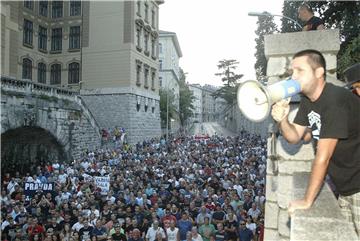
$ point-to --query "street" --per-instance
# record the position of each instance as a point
(210, 128)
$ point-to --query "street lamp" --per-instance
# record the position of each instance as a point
(167, 109)
(257, 14)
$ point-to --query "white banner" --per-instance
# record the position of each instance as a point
(103, 183)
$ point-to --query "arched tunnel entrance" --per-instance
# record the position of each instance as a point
(24, 148)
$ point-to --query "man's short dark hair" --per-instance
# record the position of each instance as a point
(306, 7)
(315, 59)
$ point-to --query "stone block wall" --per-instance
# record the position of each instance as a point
(140, 116)
(60, 118)
(235, 121)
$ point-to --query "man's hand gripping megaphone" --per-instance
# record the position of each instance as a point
(280, 110)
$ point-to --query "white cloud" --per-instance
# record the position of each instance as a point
(209, 31)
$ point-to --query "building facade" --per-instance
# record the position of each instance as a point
(169, 70)
(207, 108)
(41, 41)
(107, 50)
(197, 103)
(208, 103)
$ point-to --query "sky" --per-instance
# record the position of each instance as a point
(212, 30)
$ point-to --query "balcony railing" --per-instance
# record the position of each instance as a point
(28, 86)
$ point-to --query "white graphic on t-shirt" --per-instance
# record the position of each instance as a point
(315, 124)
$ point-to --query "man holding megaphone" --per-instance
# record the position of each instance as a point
(333, 115)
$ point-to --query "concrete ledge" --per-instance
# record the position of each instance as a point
(325, 41)
(323, 221)
(271, 234)
(272, 210)
(290, 166)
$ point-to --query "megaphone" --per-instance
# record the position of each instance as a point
(255, 100)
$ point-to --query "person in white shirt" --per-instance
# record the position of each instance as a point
(195, 236)
(151, 233)
(62, 177)
(254, 211)
(250, 224)
(11, 186)
(172, 232)
(238, 188)
(110, 197)
(79, 224)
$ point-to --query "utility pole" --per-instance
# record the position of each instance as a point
(167, 109)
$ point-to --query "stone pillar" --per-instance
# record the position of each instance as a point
(286, 160)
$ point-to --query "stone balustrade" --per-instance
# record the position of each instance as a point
(28, 86)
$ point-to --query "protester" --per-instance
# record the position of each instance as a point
(352, 78)
(135, 192)
(333, 114)
(312, 22)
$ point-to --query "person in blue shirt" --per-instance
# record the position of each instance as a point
(184, 225)
(245, 234)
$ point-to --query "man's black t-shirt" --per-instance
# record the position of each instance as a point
(313, 23)
(86, 233)
(336, 114)
(118, 237)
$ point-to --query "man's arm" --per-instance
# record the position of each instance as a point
(292, 132)
(320, 27)
(325, 149)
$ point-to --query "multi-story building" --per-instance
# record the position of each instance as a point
(41, 41)
(208, 103)
(169, 70)
(206, 106)
(108, 50)
(197, 103)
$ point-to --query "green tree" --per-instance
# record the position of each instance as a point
(266, 25)
(186, 99)
(230, 79)
(166, 95)
(350, 56)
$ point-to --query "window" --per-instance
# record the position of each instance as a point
(160, 81)
(75, 8)
(27, 69)
(138, 37)
(74, 39)
(57, 9)
(146, 41)
(146, 12)
(29, 4)
(153, 76)
(146, 76)
(160, 48)
(138, 12)
(28, 32)
(42, 73)
(55, 76)
(160, 64)
(42, 38)
(153, 18)
(56, 39)
(153, 42)
(74, 73)
(138, 72)
(43, 8)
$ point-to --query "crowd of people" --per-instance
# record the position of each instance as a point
(194, 189)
